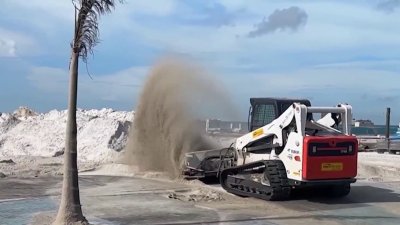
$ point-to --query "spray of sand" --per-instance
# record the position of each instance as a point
(165, 126)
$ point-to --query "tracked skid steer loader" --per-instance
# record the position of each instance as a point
(285, 149)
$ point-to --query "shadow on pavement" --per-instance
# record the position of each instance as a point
(358, 194)
(370, 194)
(271, 220)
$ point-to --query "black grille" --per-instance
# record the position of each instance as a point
(327, 149)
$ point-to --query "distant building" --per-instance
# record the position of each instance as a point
(363, 123)
(213, 125)
(219, 126)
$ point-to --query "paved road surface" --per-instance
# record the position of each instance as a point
(125, 200)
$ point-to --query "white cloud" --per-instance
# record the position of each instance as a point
(49, 79)
(7, 47)
(359, 80)
(281, 19)
(53, 11)
(327, 30)
(50, 9)
(154, 7)
(369, 91)
(325, 85)
(53, 19)
(388, 6)
(336, 31)
(356, 77)
(121, 86)
(64, 9)
(392, 65)
(16, 44)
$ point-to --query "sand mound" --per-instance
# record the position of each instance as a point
(24, 112)
(101, 133)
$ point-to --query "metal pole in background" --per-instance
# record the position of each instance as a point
(388, 128)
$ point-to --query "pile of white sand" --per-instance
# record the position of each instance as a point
(379, 167)
(33, 141)
(101, 133)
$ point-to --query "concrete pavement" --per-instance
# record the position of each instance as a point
(134, 200)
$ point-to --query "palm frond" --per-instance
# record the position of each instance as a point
(86, 35)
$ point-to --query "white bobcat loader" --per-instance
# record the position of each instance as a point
(285, 149)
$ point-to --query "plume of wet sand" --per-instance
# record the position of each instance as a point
(165, 126)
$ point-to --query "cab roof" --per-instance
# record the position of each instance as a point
(255, 101)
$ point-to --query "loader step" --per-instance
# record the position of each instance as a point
(274, 173)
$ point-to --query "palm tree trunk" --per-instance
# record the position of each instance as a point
(70, 210)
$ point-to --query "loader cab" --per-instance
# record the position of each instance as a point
(264, 110)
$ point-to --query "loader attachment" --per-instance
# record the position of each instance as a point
(207, 163)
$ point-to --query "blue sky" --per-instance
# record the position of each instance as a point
(327, 51)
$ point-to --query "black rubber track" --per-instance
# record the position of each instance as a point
(274, 172)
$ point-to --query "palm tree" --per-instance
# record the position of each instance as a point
(86, 36)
